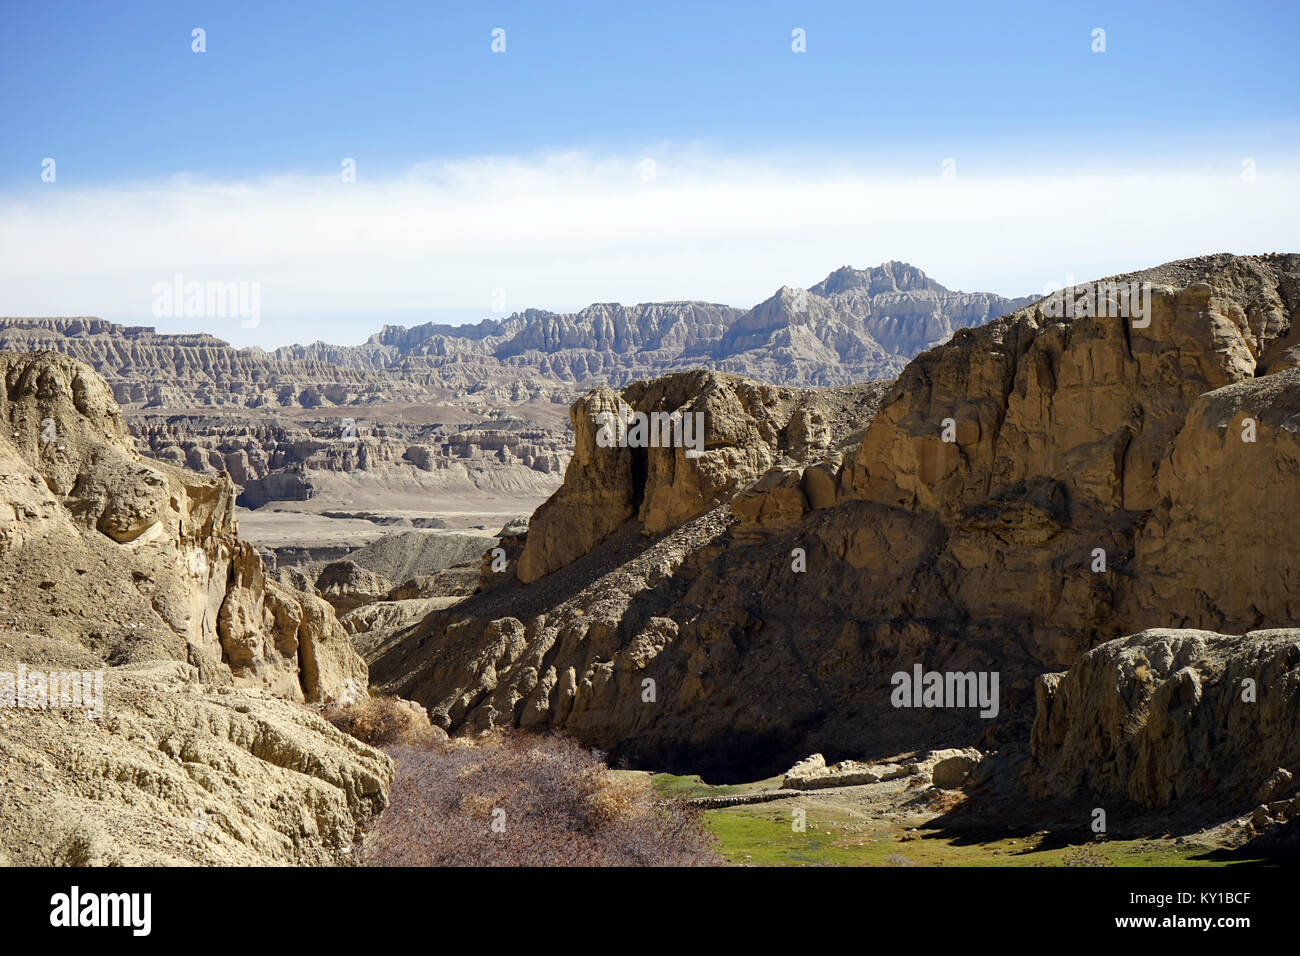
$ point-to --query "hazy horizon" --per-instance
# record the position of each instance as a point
(474, 168)
(356, 326)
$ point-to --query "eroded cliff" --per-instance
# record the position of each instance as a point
(1024, 492)
(115, 564)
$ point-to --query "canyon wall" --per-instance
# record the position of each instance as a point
(114, 563)
(1024, 492)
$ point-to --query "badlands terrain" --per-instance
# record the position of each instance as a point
(466, 427)
(894, 478)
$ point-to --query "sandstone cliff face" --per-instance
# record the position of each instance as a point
(1169, 714)
(285, 640)
(1067, 440)
(172, 533)
(596, 498)
(747, 428)
(1075, 504)
(109, 560)
(1222, 495)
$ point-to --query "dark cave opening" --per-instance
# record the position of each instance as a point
(640, 474)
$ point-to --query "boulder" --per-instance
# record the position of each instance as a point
(950, 770)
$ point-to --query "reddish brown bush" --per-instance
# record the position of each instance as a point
(524, 800)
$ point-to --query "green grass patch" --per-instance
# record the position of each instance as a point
(763, 835)
(686, 787)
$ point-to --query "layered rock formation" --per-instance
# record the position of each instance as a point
(271, 459)
(852, 326)
(110, 561)
(476, 408)
(855, 324)
(748, 428)
(1024, 492)
(143, 367)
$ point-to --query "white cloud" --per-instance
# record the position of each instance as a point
(562, 230)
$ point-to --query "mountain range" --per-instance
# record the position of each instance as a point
(854, 325)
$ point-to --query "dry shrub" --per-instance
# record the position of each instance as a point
(384, 722)
(614, 798)
(517, 799)
(944, 801)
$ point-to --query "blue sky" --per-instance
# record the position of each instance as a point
(141, 127)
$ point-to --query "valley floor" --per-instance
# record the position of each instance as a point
(892, 824)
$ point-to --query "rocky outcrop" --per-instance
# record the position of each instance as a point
(111, 562)
(291, 484)
(597, 497)
(178, 771)
(1063, 456)
(289, 641)
(947, 769)
(347, 586)
(168, 533)
(1169, 715)
(812, 773)
(951, 770)
(748, 428)
(1025, 491)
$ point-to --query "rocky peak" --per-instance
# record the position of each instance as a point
(892, 276)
